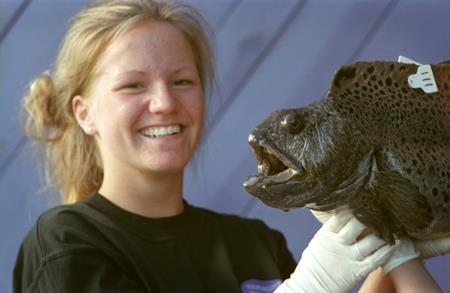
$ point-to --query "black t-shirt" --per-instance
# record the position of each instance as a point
(95, 246)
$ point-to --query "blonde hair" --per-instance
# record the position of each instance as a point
(72, 159)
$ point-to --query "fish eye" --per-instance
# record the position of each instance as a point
(293, 123)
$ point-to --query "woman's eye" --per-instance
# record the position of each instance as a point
(134, 85)
(182, 82)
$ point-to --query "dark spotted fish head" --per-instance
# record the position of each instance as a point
(376, 144)
(300, 154)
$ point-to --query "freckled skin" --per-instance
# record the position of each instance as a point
(155, 55)
(373, 144)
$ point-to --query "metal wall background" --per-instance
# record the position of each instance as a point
(271, 54)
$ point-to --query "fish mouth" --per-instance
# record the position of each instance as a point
(285, 182)
(274, 168)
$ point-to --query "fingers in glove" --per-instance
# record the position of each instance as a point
(338, 221)
(325, 216)
(430, 248)
(351, 230)
(322, 216)
(404, 252)
(367, 245)
(380, 256)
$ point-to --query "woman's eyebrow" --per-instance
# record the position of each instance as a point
(127, 72)
(142, 72)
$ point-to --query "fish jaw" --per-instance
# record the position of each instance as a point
(280, 191)
(291, 189)
(280, 179)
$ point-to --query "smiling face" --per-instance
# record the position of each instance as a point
(145, 102)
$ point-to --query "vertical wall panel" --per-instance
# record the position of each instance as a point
(7, 10)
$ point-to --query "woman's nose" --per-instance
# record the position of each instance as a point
(162, 100)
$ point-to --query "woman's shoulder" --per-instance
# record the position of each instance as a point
(62, 225)
(66, 236)
(65, 216)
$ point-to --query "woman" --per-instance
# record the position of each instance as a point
(120, 116)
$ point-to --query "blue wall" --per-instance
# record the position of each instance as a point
(271, 54)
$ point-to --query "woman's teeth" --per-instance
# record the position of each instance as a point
(160, 131)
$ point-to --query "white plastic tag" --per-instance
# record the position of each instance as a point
(423, 79)
(406, 60)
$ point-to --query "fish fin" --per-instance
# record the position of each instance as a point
(341, 75)
(370, 211)
(392, 205)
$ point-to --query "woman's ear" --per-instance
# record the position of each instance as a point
(82, 111)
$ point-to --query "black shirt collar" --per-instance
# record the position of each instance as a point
(184, 225)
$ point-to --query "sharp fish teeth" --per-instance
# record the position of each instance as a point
(160, 131)
(260, 168)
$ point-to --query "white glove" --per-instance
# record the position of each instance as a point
(408, 250)
(435, 247)
(405, 252)
(325, 216)
(426, 248)
(335, 261)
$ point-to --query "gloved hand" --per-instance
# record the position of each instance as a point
(325, 216)
(426, 248)
(431, 248)
(405, 252)
(335, 261)
(411, 249)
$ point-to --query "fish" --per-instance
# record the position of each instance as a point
(374, 144)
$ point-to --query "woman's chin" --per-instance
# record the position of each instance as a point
(165, 166)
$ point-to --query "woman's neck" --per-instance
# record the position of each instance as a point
(149, 195)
